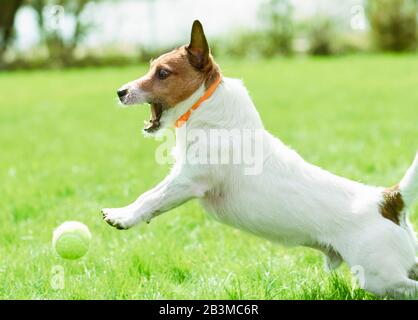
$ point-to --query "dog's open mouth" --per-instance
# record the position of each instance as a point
(154, 122)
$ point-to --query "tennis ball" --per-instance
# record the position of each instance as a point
(71, 240)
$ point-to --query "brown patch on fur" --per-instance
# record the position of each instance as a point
(182, 81)
(392, 205)
(212, 74)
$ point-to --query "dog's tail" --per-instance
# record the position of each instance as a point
(409, 184)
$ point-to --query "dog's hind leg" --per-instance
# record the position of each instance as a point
(387, 279)
(403, 289)
(332, 258)
(385, 258)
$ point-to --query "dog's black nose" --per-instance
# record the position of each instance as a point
(122, 93)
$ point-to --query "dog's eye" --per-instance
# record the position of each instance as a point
(163, 74)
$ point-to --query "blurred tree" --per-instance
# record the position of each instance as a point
(393, 23)
(322, 36)
(61, 48)
(275, 35)
(276, 18)
(8, 9)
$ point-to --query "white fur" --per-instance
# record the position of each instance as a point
(409, 183)
(291, 201)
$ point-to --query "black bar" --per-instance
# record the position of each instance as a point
(206, 309)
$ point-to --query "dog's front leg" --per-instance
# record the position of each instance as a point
(174, 190)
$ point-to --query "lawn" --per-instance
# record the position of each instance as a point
(67, 150)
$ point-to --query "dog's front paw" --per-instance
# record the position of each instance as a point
(118, 218)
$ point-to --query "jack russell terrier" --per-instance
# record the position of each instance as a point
(289, 200)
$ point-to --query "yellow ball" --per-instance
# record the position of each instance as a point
(71, 240)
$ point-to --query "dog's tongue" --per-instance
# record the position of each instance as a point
(154, 123)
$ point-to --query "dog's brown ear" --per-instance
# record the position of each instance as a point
(198, 49)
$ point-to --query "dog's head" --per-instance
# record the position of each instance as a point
(172, 78)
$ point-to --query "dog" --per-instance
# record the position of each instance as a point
(290, 201)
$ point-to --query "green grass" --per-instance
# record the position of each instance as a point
(67, 150)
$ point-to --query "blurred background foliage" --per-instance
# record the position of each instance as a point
(383, 25)
(393, 24)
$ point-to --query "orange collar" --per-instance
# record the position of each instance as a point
(185, 116)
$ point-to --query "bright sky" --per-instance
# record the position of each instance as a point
(164, 22)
